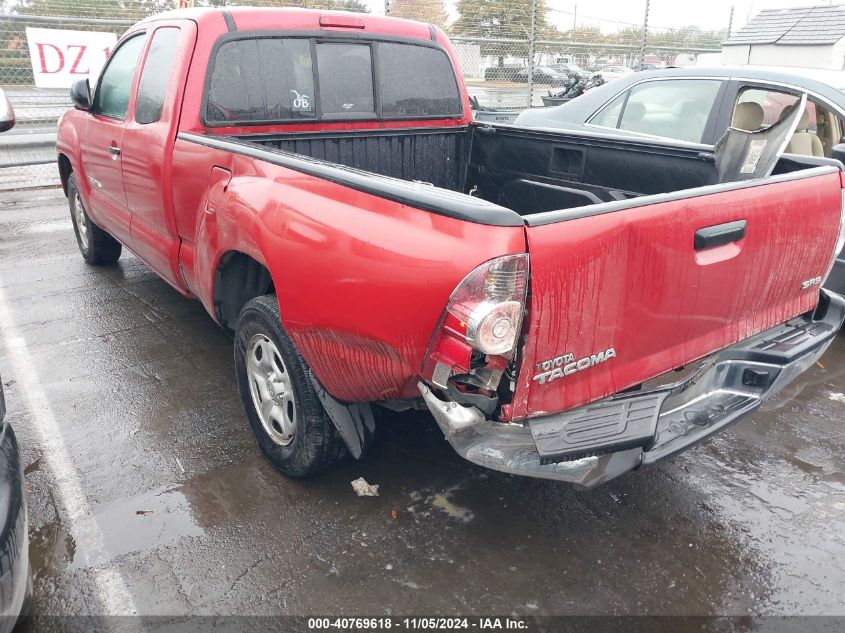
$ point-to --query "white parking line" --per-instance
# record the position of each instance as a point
(112, 592)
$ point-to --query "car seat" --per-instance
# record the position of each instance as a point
(747, 116)
(804, 142)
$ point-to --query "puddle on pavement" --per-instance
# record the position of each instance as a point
(817, 466)
(443, 502)
(232, 493)
(138, 523)
(51, 549)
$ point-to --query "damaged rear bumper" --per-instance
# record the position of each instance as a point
(595, 443)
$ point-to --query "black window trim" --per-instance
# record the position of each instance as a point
(143, 65)
(316, 37)
(120, 44)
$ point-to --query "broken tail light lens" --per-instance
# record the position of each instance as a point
(483, 316)
(488, 304)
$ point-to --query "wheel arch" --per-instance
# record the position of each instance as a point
(65, 170)
(238, 278)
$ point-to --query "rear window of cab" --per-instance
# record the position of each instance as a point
(275, 79)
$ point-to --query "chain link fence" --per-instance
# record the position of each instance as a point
(27, 152)
(502, 73)
(496, 71)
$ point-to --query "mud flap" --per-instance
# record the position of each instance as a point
(354, 422)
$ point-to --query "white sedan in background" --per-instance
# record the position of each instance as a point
(609, 73)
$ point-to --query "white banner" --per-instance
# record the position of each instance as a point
(61, 57)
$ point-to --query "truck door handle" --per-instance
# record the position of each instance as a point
(114, 150)
(719, 234)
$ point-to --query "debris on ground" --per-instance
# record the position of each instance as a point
(143, 513)
(364, 489)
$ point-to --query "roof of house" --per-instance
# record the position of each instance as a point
(805, 25)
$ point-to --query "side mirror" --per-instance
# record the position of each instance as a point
(7, 113)
(838, 152)
(80, 94)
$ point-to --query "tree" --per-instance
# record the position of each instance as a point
(500, 19)
(128, 10)
(431, 11)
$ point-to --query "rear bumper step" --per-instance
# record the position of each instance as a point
(597, 442)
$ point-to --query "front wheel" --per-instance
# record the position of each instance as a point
(97, 247)
(287, 419)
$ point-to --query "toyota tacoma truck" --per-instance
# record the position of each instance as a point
(567, 305)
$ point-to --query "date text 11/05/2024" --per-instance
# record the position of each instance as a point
(418, 623)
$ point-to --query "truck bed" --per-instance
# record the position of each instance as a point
(527, 171)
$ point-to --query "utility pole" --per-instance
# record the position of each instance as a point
(645, 33)
(386, 7)
(532, 38)
(575, 18)
(730, 22)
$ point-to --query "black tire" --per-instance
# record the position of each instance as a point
(315, 445)
(97, 247)
(15, 586)
(26, 607)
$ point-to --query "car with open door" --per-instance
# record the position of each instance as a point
(695, 105)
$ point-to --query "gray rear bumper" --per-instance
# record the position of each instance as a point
(733, 383)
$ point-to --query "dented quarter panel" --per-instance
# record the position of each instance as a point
(630, 280)
(361, 281)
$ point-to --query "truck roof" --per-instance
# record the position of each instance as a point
(259, 18)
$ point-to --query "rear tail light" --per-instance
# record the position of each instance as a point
(483, 317)
(840, 239)
(342, 21)
(488, 304)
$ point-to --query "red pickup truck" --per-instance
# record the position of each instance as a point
(567, 305)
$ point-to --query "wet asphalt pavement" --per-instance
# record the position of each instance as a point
(147, 492)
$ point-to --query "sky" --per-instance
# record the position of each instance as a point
(708, 14)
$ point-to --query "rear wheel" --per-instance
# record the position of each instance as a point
(289, 423)
(97, 247)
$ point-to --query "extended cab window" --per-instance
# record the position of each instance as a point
(676, 109)
(267, 79)
(112, 98)
(346, 78)
(155, 74)
(430, 90)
